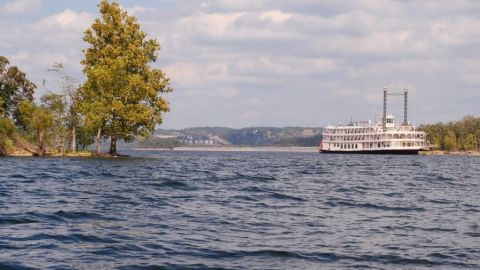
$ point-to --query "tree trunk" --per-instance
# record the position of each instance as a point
(41, 142)
(97, 141)
(74, 139)
(3, 151)
(113, 145)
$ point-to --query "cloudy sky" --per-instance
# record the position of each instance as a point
(241, 63)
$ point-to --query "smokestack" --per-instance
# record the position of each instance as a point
(405, 106)
(384, 119)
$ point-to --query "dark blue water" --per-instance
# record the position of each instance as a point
(194, 210)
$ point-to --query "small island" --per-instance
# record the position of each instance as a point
(120, 99)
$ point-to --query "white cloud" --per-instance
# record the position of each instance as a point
(20, 6)
(218, 92)
(275, 16)
(212, 25)
(192, 74)
(458, 31)
(138, 10)
(471, 78)
(68, 20)
(18, 57)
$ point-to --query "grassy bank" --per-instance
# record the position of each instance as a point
(23, 153)
(449, 153)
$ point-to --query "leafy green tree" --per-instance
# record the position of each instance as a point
(14, 88)
(469, 142)
(450, 141)
(95, 115)
(24, 115)
(85, 137)
(121, 97)
(70, 93)
(7, 128)
(36, 120)
(56, 105)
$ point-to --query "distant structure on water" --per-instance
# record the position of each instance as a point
(382, 136)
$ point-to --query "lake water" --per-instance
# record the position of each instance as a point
(220, 210)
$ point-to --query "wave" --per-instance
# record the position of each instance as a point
(69, 238)
(174, 184)
(16, 221)
(14, 266)
(169, 266)
(281, 196)
(18, 176)
(375, 206)
(77, 215)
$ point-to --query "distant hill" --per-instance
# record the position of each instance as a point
(218, 136)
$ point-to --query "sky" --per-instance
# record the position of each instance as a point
(242, 63)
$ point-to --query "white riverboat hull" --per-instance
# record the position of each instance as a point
(375, 152)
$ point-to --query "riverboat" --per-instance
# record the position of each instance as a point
(383, 136)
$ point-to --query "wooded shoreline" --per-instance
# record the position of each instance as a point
(92, 154)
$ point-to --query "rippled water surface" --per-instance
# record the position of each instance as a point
(200, 210)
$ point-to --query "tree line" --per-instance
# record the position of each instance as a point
(121, 98)
(461, 135)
